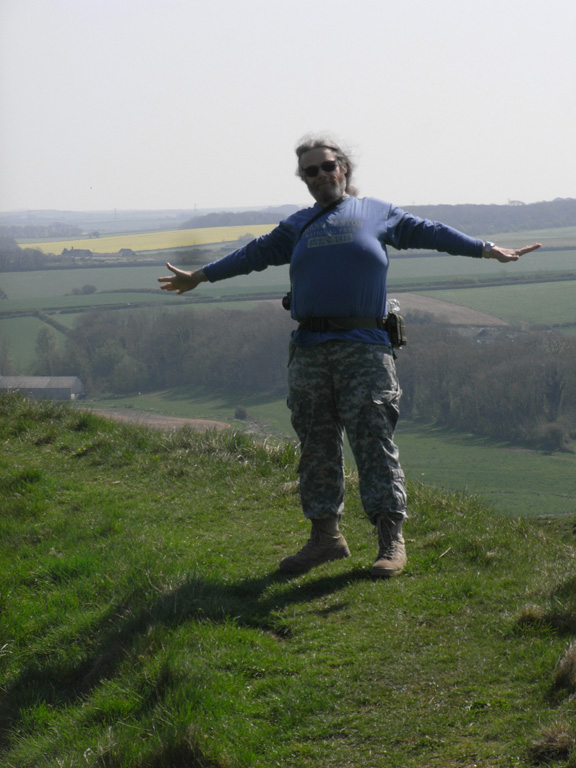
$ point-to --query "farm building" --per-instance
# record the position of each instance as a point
(44, 387)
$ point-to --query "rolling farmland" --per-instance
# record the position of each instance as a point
(543, 300)
(444, 286)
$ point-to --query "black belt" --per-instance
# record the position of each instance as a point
(323, 324)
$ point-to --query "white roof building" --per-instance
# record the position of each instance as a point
(44, 387)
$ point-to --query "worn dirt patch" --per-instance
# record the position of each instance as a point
(158, 421)
(442, 311)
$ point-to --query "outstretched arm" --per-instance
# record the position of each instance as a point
(182, 281)
(508, 254)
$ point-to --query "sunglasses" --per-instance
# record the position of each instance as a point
(313, 170)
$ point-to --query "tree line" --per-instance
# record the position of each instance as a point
(491, 219)
(469, 218)
(239, 218)
(143, 350)
(513, 386)
(13, 258)
(518, 387)
(44, 231)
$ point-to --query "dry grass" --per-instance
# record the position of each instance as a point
(556, 743)
(565, 675)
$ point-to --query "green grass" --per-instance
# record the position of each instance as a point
(144, 623)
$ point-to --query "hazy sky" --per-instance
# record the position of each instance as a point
(153, 104)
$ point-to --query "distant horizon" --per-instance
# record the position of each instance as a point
(188, 209)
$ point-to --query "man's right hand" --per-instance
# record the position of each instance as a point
(181, 281)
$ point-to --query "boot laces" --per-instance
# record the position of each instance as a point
(389, 539)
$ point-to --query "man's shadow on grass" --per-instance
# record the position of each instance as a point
(246, 603)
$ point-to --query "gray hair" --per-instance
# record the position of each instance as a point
(310, 141)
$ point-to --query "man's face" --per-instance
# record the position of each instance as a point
(326, 186)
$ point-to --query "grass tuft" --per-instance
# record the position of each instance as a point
(557, 742)
(565, 674)
(20, 482)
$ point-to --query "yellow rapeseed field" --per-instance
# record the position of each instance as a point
(154, 241)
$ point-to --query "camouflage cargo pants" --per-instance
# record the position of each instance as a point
(352, 386)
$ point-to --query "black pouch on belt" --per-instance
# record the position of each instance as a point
(395, 327)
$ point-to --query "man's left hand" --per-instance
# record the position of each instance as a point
(510, 254)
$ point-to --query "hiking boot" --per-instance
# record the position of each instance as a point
(326, 543)
(391, 550)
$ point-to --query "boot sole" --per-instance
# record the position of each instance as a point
(304, 569)
(385, 573)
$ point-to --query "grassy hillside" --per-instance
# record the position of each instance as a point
(514, 481)
(144, 623)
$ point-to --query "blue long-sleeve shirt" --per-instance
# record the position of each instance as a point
(339, 265)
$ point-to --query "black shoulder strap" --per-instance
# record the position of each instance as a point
(319, 215)
(288, 298)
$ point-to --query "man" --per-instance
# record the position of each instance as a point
(341, 374)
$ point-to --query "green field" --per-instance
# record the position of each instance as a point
(20, 287)
(561, 237)
(536, 303)
(21, 334)
(446, 267)
(513, 481)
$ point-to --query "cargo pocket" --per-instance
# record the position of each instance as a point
(383, 412)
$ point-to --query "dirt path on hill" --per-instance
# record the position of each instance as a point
(158, 421)
(444, 312)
